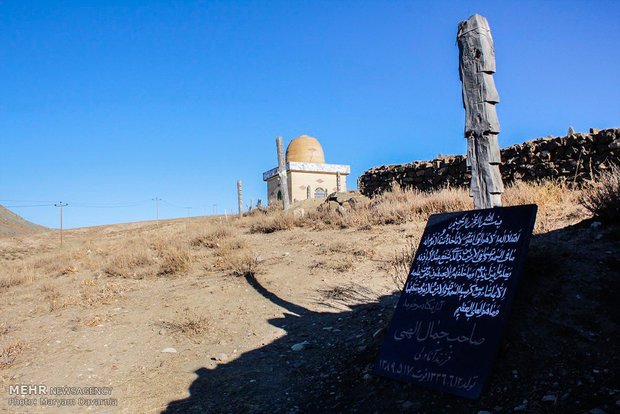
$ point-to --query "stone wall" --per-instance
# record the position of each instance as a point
(576, 157)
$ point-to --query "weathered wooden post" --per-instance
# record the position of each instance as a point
(282, 173)
(338, 185)
(308, 192)
(476, 68)
(239, 198)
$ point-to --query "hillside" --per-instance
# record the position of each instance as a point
(12, 225)
(277, 312)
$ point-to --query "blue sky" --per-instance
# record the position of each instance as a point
(108, 104)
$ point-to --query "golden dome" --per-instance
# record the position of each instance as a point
(305, 149)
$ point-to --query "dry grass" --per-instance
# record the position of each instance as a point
(401, 262)
(239, 263)
(178, 247)
(554, 199)
(5, 329)
(276, 221)
(189, 325)
(9, 353)
(602, 198)
(211, 237)
(399, 206)
(53, 298)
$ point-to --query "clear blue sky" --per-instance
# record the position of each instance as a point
(107, 104)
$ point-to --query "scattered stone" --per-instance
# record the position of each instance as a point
(75, 329)
(169, 350)
(299, 212)
(595, 225)
(549, 398)
(597, 411)
(520, 407)
(484, 412)
(162, 332)
(300, 346)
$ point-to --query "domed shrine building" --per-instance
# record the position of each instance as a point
(308, 174)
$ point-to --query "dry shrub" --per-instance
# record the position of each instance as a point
(52, 297)
(340, 265)
(211, 237)
(189, 325)
(239, 263)
(401, 262)
(602, 198)
(134, 259)
(276, 221)
(100, 291)
(402, 205)
(9, 353)
(554, 199)
(166, 255)
(395, 206)
(5, 329)
(15, 274)
(175, 259)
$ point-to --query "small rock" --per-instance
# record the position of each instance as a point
(520, 407)
(299, 212)
(169, 350)
(367, 377)
(75, 329)
(259, 259)
(597, 411)
(221, 357)
(484, 412)
(595, 225)
(549, 398)
(162, 332)
(300, 346)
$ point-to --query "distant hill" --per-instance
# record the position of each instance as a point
(12, 224)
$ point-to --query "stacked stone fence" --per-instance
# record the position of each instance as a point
(576, 158)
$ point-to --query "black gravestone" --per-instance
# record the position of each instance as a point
(447, 325)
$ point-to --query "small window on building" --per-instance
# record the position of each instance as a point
(279, 195)
(320, 193)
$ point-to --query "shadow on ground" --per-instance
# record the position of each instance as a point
(559, 344)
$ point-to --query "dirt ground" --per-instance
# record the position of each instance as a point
(302, 333)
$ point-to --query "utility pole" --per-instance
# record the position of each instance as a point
(215, 209)
(239, 198)
(61, 205)
(282, 173)
(156, 209)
